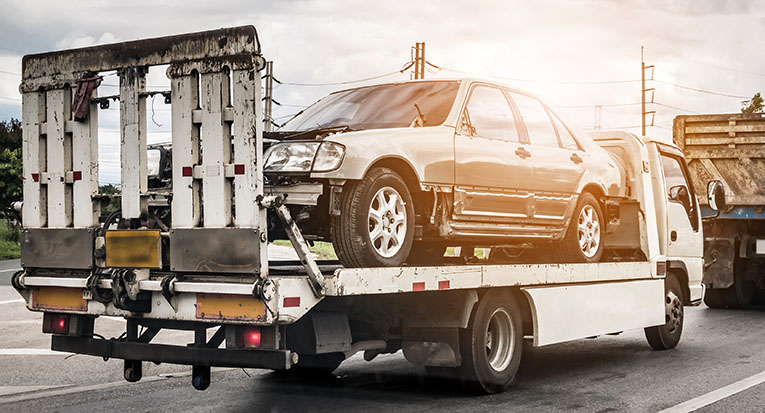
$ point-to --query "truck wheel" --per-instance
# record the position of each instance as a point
(583, 241)
(666, 336)
(741, 293)
(426, 253)
(491, 346)
(376, 227)
(715, 297)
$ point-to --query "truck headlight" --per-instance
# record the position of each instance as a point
(304, 157)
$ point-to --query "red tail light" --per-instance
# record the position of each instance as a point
(251, 336)
(56, 323)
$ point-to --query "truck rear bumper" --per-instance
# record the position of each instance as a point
(163, 353)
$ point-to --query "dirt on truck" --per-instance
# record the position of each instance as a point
(728, 151)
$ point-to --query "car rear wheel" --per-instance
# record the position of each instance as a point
(376, 224)
(583, 241)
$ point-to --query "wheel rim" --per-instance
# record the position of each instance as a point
(500, 340)
(387, 222)
(673, 312)
(588, 229)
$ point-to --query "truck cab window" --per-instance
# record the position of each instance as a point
(677, 187)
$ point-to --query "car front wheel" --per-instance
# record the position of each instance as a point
(376, 224)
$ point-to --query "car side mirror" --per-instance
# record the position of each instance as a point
(716, 196)
(680, 194)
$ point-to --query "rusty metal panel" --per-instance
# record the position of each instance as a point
(224, 250)
(726, 147)
(70, 248)
(68, 65)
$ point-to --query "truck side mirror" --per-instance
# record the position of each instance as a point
(716, 195)
(680, 194)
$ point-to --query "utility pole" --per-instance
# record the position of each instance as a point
(643, 112)
(598, 121)
(418, 58)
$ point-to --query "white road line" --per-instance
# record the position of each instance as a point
(90, 387)
(12, 270)
(717, 395)
(31, 352)
(18, 300)
(8, 390)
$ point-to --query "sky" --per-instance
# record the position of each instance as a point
(575, 54)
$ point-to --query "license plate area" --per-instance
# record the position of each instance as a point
(133, 248)
(230, 307)
(59, 298)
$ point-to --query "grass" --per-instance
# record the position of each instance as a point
(322, 250)
(9, 240)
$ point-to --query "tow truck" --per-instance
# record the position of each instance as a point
(209, 272)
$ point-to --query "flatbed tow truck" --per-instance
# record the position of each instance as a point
(209, 271)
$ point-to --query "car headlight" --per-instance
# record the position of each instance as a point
(304, 157)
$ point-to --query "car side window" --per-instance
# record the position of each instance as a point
(566, 138)
(676, 186)
(537, 120)
(490, 114)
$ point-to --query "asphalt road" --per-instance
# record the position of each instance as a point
(722, 352)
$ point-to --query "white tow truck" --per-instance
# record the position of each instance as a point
(209, 271)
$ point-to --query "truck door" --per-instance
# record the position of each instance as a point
(493, 169)
(685, 241)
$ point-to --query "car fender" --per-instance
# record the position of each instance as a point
(428, 151)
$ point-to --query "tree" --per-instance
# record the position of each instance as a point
(754, 105)
(10, 166)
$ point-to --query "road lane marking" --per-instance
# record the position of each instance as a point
(18, 300)
(31, 352)
(101, 386)
(717, 395)
(11, 270)
(9, 390)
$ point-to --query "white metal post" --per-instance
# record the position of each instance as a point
(185, 138)
(216, 150)
(132, 141)
(34, 209)
(59, 215)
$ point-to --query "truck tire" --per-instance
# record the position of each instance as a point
(715, 297)
(492, 344)
(583, 241)
(667, 335)
(376, 226)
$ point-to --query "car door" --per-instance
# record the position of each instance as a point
(492, 164)
(557, 167)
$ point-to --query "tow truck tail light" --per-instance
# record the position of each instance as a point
(56, 323)
(661, 268)
(251, 337)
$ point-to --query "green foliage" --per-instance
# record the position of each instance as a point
(10, 166)
(754, 105)
(9, 240)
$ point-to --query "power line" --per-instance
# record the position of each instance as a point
(602, 105)
(700, 90)
(11, 99)
(10, 73)
(674, 107)
(341, 83)
(564, 82)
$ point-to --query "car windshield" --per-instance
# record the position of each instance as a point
(378, 107)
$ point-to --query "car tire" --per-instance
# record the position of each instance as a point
(667, 335)
(376, 224)
(492, 344)
(583, 241)
(426, 253)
